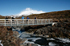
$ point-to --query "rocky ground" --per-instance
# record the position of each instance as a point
(7, 37)
(57, 30)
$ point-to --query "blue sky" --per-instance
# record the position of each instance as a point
(13, 7)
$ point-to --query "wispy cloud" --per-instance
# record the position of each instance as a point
(29, 11)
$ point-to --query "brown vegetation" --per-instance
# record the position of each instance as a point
(59, 30)
(57, 16)
(6, 35)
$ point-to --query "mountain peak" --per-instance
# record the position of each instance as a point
(29, 11)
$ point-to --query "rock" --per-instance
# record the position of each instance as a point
(9, 28)
(15, 33)
(30, 30)
(42, 31)
(54, 24)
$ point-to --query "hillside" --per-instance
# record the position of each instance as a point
(56, 15)
(3, 17)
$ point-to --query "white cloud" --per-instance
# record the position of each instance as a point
(29, 11)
